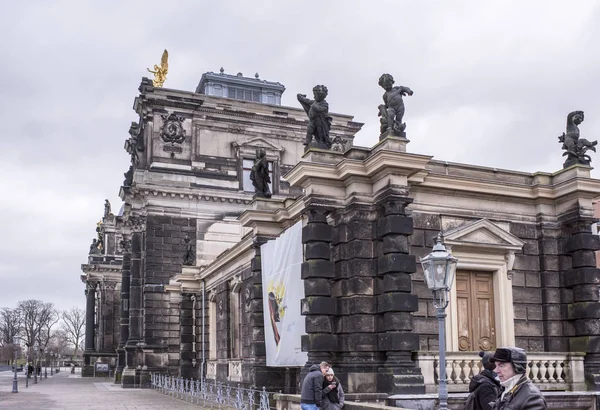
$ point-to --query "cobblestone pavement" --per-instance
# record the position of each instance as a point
(70, 392)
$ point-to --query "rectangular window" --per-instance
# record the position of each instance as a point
(256, 96)
(218, 91)
(231, 92)
(234, 325)
(246, 169)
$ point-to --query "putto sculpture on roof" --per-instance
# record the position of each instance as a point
(160, 72)
(319, 121)
(392, 111)
(575, 147)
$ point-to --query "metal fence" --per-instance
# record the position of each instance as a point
(213, 395)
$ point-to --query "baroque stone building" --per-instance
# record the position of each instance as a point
(526, 276)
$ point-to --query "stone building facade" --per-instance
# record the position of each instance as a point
(526, 276)
(189, 180)
(102, 277)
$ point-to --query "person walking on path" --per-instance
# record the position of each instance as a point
(312, 387)
(333, 394)
(484, 387)
(518, 392)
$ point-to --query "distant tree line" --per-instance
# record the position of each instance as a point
(39, 324)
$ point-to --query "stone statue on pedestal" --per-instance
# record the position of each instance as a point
(128, 177)
(260, 175)
(107, 208)
(319, 120)
(94, 250)
(575, 147)
(189, 254)
(392, 111)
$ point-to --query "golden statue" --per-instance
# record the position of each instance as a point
(160, 72)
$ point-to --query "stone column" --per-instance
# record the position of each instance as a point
(318, 306)
(135, 303)
(90, 307)
(124, 309)
(354, 253)
(396, 302)
(583, 298)
(186, 336)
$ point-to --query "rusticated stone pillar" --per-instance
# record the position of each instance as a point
(396, 302)
(583, 300)
(90, 307)
(186, 335)
(135, 299)
(124, 309)
(317, 272)
(354, 252)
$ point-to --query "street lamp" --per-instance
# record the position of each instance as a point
(439, 268)
(45, 356)
(35, 355)
(15, 386)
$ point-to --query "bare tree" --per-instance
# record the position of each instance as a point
(73, 326)
(38, 319)
(10, 325)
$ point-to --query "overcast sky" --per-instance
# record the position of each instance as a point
(493, 82)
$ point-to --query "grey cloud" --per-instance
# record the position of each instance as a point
(493, 84)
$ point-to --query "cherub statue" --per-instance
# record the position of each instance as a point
(318, 115)
(260, 175)
(576, 147)
(160, 72)
(394, 105)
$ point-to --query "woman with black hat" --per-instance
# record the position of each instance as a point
(484, 387)
(518, 392)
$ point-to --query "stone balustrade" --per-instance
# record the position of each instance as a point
(234, 369)
(211, 369)
(549, 371)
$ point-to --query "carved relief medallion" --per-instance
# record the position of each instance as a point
(172, 130)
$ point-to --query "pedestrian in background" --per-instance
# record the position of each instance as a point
(484, 387)
(333, 394)
(518, 392)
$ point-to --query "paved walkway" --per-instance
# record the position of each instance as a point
(70, 392)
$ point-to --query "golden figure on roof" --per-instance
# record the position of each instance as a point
(160, 72)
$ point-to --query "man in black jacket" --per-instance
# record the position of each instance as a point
(312, 387)
(518, 392)
(484, 387)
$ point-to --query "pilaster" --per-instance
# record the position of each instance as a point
(396, 302)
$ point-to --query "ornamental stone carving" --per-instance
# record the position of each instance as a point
(172, 130)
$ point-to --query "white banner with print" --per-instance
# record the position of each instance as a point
(283, 289)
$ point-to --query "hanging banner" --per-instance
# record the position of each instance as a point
(283, 289)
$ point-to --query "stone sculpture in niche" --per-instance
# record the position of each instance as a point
(319, 121)
(574, 146)
(260, 175)
(189, 254)
(392, 111)
(172, 130)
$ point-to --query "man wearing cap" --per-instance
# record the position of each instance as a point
(518, 392)
(311, 396)
(484, 387)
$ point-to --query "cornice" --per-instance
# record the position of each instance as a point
(226, 197)
(94, 268)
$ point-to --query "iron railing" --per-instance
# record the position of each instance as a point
(215, 395)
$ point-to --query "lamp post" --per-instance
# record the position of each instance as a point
(45, 356)
(439, 268)
(15, 386)
(35, 355)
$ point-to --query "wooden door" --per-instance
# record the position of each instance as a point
(475, 308)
